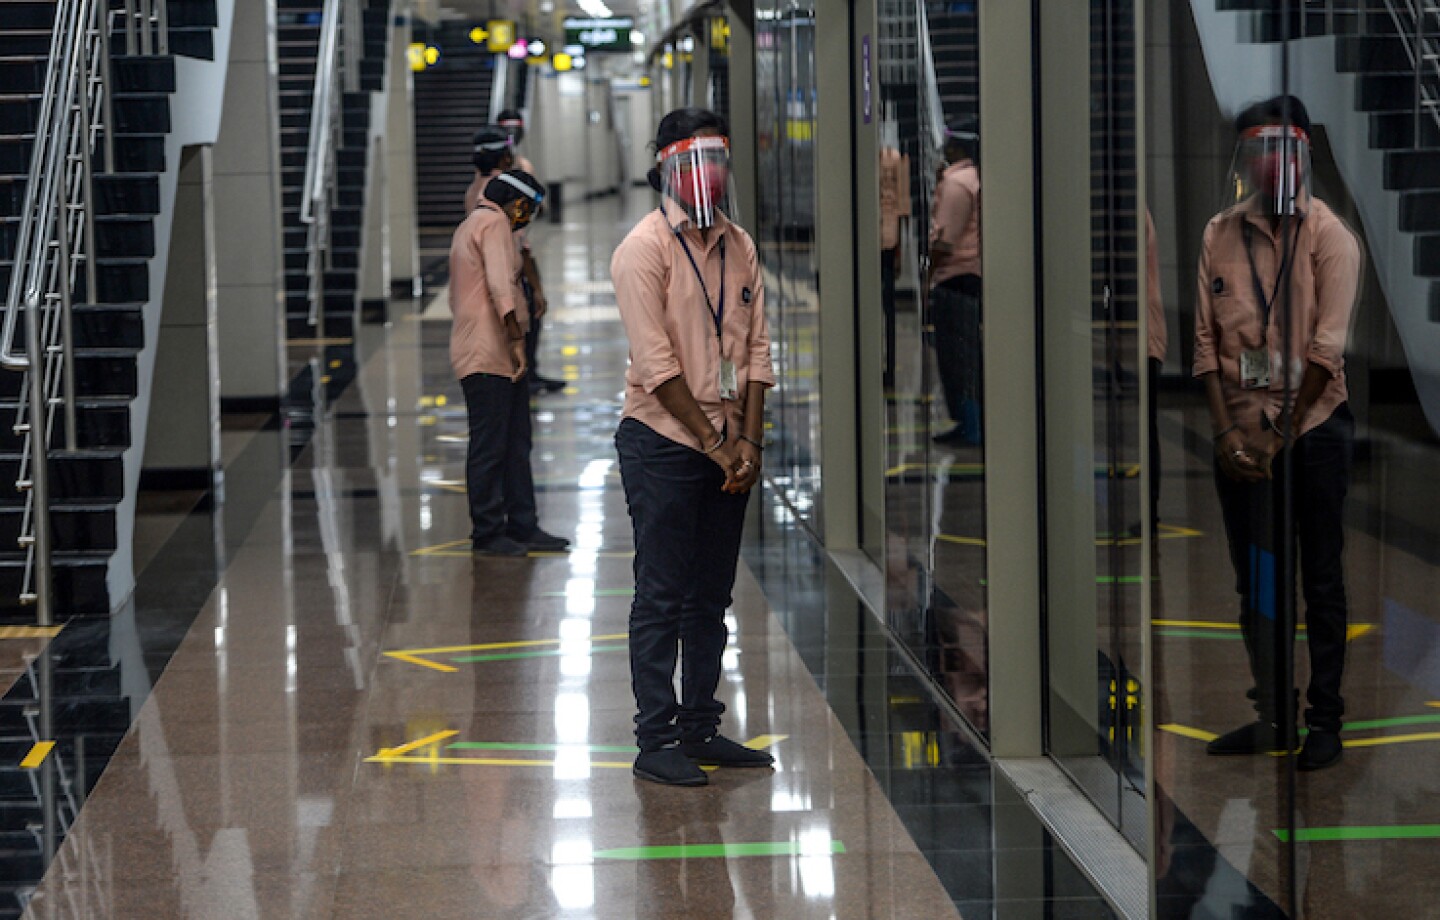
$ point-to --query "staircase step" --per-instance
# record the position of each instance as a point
(1427, 255)
(79, 587)
(95, 376)
(1385, 93)
(72, 528)
(1396, 131)
(27, 16)
(1412, 169)
(1364, 54)
(75, 479)
(98, 426)
(1420, 212)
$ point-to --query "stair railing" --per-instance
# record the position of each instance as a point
(1413, 23)
(147, 27)
(321, 158)
(55, 243)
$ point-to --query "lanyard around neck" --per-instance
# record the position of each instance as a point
(1281, 278)
(716, 313)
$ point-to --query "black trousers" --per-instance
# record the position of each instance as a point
(1152, 382)
(687, 544)
(532, 335)
(956, 315)
(1320, 478)
(497, 464)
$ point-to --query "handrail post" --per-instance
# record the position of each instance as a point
(1419, 7)
(162, 26)
(107, 105)
(39, 468)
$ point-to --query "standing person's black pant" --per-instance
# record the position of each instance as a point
(687, 544)
(497, 464)
(1154, 367)
(1320, 469)
(955, 311)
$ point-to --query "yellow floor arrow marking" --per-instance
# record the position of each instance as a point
(413, 655)
(398, 755)
(388, 753)
(764, 741)
(37, 755)
(1391, 739)
(29, 632)
(1352, 632)
(1185, 731)
(1434, 703)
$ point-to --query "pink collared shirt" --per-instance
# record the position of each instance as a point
(894, 195)
(955, 221)
(1325, 281)
(484, 289)
(672, 331)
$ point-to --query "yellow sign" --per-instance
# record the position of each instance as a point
(415, 54)
(562, 62)
(501, 35)
(432, 56)
(719, 34)
(478, 35)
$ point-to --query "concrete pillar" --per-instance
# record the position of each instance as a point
(182, 440)
(404, 232)
(246, 171)
(744, 148)
(375, 254)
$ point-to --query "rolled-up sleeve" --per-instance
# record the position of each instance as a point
(638, 272)
(1337, 282)
(1206, 359)
(497, 251)
(762, 370)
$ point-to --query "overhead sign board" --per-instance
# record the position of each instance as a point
(601, 36)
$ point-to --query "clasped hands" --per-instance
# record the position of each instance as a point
(740, 461)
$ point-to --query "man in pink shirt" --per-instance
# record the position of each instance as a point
(895, 210)
(487, 353)
(492, 154)
(953, 282)
(1278, 280)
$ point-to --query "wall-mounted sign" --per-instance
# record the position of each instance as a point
(601, 36)
(501, 35)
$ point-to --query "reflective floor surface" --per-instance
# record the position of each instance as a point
(319, 704)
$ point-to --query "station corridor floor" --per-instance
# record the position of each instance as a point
(330, 709)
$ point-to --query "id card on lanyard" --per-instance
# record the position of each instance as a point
(728, 382)
(1255, 365)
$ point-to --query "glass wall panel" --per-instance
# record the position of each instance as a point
(785, 232)
(1095, 373)
(929, 175)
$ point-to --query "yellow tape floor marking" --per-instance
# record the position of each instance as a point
(29, 632)
(37, 755)
(1185, 731)
(1199, 734)
(414, 655)
(1352, 632)
(1434, 703)
(460, 549)
(418, 743)
(399, 755)
(963, 541)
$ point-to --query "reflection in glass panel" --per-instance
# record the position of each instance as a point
(929, 262)
(1095, 371)
(785, 124)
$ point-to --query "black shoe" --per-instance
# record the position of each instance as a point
(1322, 749)
(720, 751)
(541, 542)
(550, 384)
(669, 767)
(498, 546)
(1247, 741)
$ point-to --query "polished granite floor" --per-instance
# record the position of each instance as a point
(318, 704)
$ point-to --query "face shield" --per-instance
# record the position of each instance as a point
(1272, 169)
(527, 207)
(695, 173)
(513, 127)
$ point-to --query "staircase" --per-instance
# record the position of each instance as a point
(86, 484)
(955, 45)
(452, 100)
(1394, 174)
(331, 276)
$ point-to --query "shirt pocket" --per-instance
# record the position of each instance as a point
(1232, 300)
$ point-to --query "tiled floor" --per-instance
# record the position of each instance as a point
(274, 757)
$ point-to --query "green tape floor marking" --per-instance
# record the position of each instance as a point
(718, 850)
(1199, 634)
(1428, 718)
(546, 653)
(524, 746)
(1379, 832)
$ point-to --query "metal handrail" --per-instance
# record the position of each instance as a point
(55, 240)
(1410, 18)
(320, 155)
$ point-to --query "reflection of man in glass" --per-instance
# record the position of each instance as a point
(895, 209)
(954, 281)
(1278, 279)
